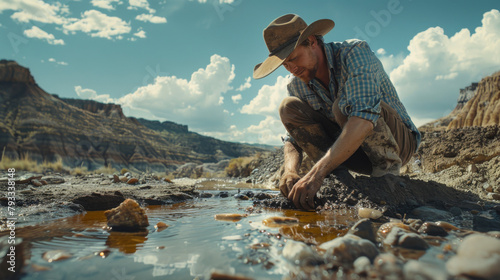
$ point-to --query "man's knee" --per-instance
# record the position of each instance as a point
(289, 105)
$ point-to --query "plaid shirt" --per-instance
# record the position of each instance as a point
(358, 78)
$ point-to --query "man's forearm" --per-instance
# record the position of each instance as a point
(293, 157)
(353, 134)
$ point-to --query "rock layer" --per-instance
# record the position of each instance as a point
(484, 108)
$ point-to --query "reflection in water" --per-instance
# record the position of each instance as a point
(193, 246)
(127, 242)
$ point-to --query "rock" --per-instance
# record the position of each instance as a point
(128, 216)
(362, 265)
(446, 226)
(418, 270)
(223, 194)
(223, 276)
(486, 221)
(386, 228)
(350, 247)
(364, 229)
(408, 240)
(487, 187)
(161, 226)
(123, 179)
(263, 195)
(36, 183)
(428, 213)
(433, 229)
(132, 181)
(388, 266)
(230, 217)
(300, 254)
(116, 179)
(493, 196)
(206, 195)
(477, 256)
(241, 197)
(369, 213)
(54, 180)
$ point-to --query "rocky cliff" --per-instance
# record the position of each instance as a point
(92, 134)
(483, 109)
(465, 95)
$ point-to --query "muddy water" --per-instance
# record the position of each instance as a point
(193, 246)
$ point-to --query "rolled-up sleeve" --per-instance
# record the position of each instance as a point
(360, 95)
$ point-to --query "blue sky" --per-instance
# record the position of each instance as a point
(191, 61)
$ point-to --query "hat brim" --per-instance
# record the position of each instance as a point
(319, 27)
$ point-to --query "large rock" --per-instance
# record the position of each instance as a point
(128, 216)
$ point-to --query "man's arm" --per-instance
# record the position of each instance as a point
(353, 134)
(293, 159)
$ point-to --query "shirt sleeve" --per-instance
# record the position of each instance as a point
(360, 95)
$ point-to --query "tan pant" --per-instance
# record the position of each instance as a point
(390, 145)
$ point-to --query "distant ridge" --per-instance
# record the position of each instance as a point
(93, 134)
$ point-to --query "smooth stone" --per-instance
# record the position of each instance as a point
(361, 265)
(418, 270)
(386, 228)
(428, 213)
(161, 226)
(123, 179)
(369, 213)
(54, 180)
(477, 256)
(433, 229)
(132, 181)
(299, 253)
(350, 247)
(263, 195)
(364, 229)
(408, 240)
(116, 179)
(486, 221)
(388, 266)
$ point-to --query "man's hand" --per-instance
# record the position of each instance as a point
(304, 191)
(287, 181)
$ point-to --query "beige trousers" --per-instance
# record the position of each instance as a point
(389, 146)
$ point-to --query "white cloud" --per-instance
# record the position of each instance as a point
(143, 4)
(58, 62)
(246, 85)
(236, 98)
(105, 4)
(35, 10)
(268, 98)
(91, 94)
(195, 102)
(38, 33)
(430, 76)
(140, 34)
(98, 24)
(151, 18)
(381, 51)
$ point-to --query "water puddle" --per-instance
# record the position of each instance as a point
(193, 245)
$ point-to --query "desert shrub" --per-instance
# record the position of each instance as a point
(108, 169)
(123, 171)
(242, 166)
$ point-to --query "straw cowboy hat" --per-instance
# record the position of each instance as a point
(283, 35)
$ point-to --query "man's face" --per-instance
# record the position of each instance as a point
(302, 63)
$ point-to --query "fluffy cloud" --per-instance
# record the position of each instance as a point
(35, 10)
(268, 98)
(196, 102)
(143, 4)
(140, 33)
(429, 78)
(151, 18)
(236, 98)
(87, 93)
(98, 24)
(38, 33)
(105, 4)
(246, 85)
